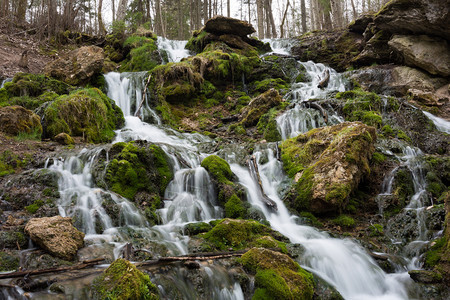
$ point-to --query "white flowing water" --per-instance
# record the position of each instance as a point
(279, 46)
(174, 49)
(5, 81)
(342, 263)
(301, 118)
(441, 124)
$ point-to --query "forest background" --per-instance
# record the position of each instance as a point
(177, 19)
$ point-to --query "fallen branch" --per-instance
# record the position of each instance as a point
(138, 111)
(324, 82)
(255, 174)
(84, 264)
(319, 108)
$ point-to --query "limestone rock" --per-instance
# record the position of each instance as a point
(425, 276)
(430, 17)
(17, 119)
(78, 67)
(259, 106)
(222, 25)
(56, 235)
(327, 163)
(427, 53)
(64, 139)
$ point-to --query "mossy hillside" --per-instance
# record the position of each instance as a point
(242, 234)
(259, 106)
(33, 85)
(87, 113)
(137, 168)
(18, 121)
(122, 280)
(277, 276)
(362, 106)
(143, 56)
(327, 164)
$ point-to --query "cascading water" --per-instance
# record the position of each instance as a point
(5, 81)
(342, 263)
(441, 124)
(175, 50)
(279, 46)
(301, 118)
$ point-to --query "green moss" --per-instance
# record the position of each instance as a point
(267, 125)
(433, 256)
(311, 219)
(122, 280)
(87, 113)
(240, 234)
(218, 168)
(403, 136)
(196, 228)
(234, 208)
(144, 55)
(376, 230)
(197, 42)
(135, 169)
(403, 187)
(277, 276)
(35, 206)
(344, 221)
(10, 162)
(378, 157)
(267, 84)
(33, 85)
(8, 262)
(387, 130)
(361, 106)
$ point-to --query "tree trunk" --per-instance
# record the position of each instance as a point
(270, 17)
(205, 11)
(121, 10)
(353, 9)
(101, 27)
(260, 16)
(228, 9)
(283, 20)
(21, 10)
(303, 15)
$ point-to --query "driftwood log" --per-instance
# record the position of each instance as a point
(254, 172)
(326, 78)
(323, 112)
(138, 111)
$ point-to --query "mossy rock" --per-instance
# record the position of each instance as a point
(87, 113)
(15, 120)
(138, 167)
(8, 261)
(277, 276)
(143, 56)
(219, 169)
(327, 165)
(259, 106)
(362, 106)
(122, 280)
(241, 234)
(33, 85)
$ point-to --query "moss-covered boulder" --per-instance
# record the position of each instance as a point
(56, 235)
(260, 106)
(87, 113)
(64, 139)
(277, 276)
(122, 280)
(241, 234)
(143, 54)
(78, 66)
(327, 165)
(230, 195)
(17, 119)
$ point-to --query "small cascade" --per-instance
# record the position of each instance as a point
(279, 46)
(128, 94)
(174, 49)
(386, 190)
(302, 118)
(341, 263)
(5, 81)
(441, 124)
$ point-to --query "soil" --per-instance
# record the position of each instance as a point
(13, 42)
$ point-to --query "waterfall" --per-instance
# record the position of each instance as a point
(301, 118)
(5, 81)
(441, 124)
(279, 46)
(174, 49)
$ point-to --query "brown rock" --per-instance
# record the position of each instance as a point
(427, 53)
(17, 119)
(64, 139)
(220, 25)
(56, 235)
(78, 66)
(259, 106)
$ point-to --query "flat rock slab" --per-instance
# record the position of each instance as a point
(222, 25)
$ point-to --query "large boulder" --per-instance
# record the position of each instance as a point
(122, 280)
(327, 164)
(427, 53)
(87, 113)
(56, 235)
(259, 106)
(430, 17)
(78, 66)
(277, 276)
(222, 25)
(17, 119)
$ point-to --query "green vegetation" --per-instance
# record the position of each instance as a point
(362, 106)
(218, 168)
(241, 234)
(277, 276)
(144, 55)
(344, 221)
(8, 262)
(35, 206)
(122, 280)
(433, 256)
(378, 157)
(33, 85)
(376, 230)
(234, 208)
(267, 125)
(87, 113)
(10, 162)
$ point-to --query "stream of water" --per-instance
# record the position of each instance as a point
(190, 196)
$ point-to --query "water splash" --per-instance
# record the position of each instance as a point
(279, 46)
(441, 124)
(175, 50)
